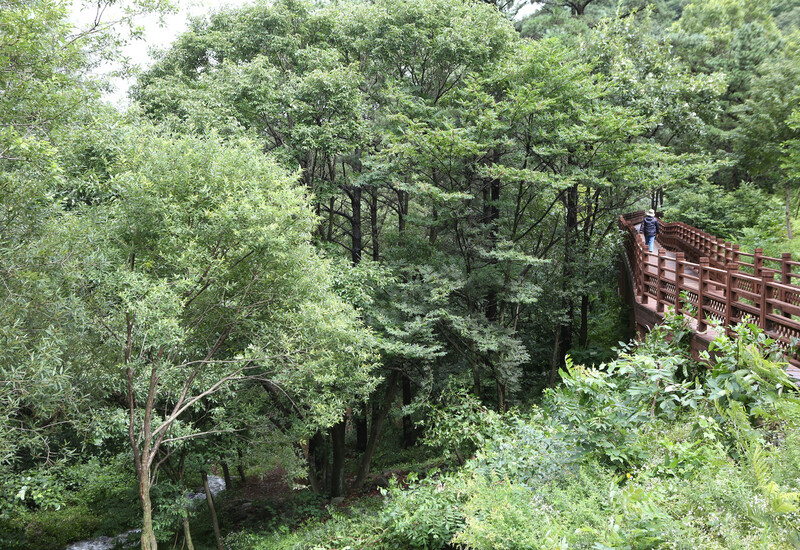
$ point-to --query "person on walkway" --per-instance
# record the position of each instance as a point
(650, 227)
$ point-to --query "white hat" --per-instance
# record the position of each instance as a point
(651, 212)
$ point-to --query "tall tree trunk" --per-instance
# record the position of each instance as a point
(240, 464)
(316, 460)
(213, 512)
(491, 215)
(378, 418)
(148, 533)
(477, 390)
(402, 210)
(355, 225)
(373, 223)
(409, 433)
(360, 420)
(226, 472)
(143, 457)
(583, 332)
(187, 533)
(568, 272)
(338, 450)
(551, 379)
(501, 387)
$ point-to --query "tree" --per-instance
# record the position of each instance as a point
(765, 122)
(198, 275)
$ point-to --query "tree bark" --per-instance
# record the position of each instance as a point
(564, 340)
(373, 222)
(361, 428)
(502, 388)
(477, 390)
(226, 473)
(583, 332)
(551, 379)
(409, 433)
(355, 225)
(378, 418)
(316, 459)
(187, 533)
(213, 512)
(337, 470)
(148, 533)
(239, 465)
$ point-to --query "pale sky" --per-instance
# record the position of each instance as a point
(155, 35)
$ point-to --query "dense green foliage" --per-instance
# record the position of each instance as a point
(315, 211)
(653, 450)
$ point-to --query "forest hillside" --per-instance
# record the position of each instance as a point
(365, 255)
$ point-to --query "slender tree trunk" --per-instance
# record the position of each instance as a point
(568, 272)
(583, 333)
(331, 214)
(148, 533)
(361, 428)
(187, 533)
(240, 465)
(213, 512)
(378, 418)
(337, 470)
(551, 379)
(402, 210)
(355, 225)
(316, 458)
(226, 473)
(501, 388)
(373, 222)
(476, 376)
(409, 433)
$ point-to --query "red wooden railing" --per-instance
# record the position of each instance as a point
(707, 278)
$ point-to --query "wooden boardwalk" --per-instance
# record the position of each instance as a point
(707, 279)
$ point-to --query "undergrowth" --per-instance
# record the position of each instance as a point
(651, 450)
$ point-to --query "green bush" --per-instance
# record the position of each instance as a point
(727, 214)
(54, 529)
(653, 450)
(425, 516)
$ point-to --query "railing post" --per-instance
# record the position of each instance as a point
(728, 253)
(767, 276)
(720, 250)
(642, 268)
(786, 278)
(735, 253)
(732, 268)
(661, 281)
(680, 257)
(786, 257)
(701, 282)
(758, 261)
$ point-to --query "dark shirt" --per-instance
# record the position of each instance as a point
(650, 226)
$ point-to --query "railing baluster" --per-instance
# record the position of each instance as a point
(661, 281)
(767, 276)
(680, 258)
(732, 268)
(758, 261)
(786, 279)
(701, 281)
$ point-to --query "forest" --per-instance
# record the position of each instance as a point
(360, 259)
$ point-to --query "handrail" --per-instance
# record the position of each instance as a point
(712, 279)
